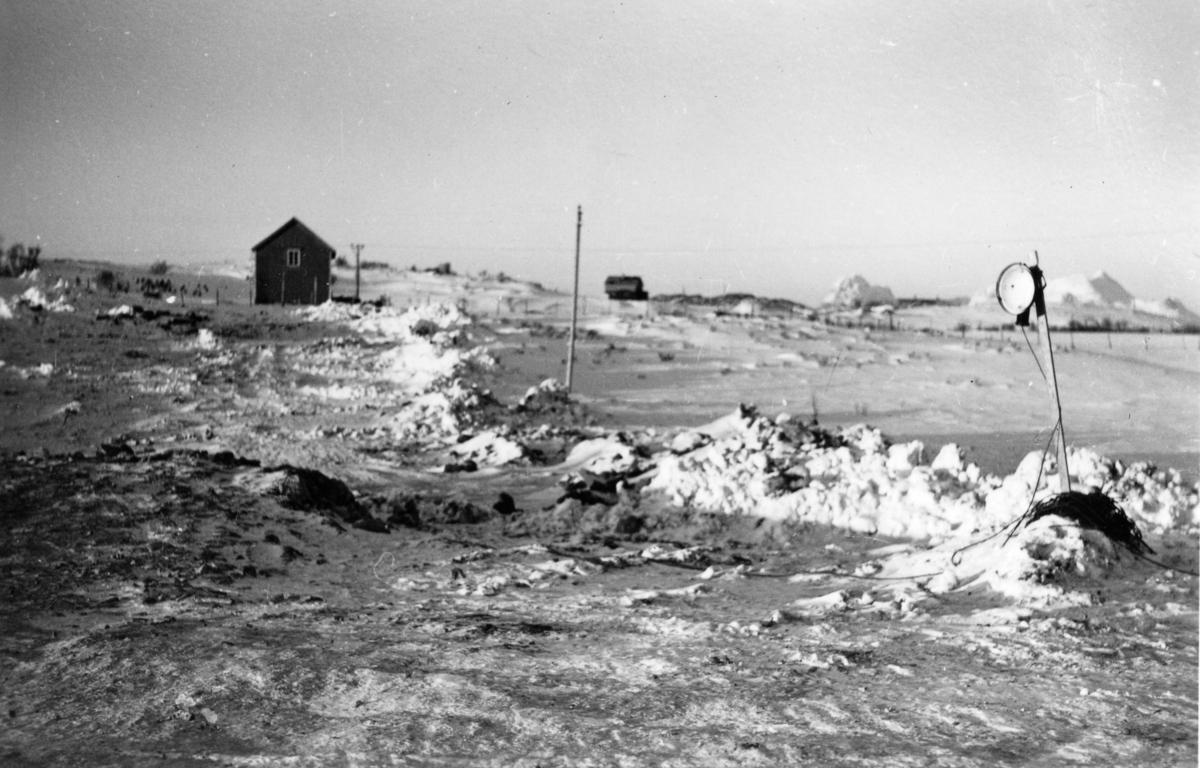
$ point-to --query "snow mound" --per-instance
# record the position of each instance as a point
(35, 298)
(1155, 498)
(6, 312)
(333, 312)
(856, 480)
(421, 366)
(423, 369)
(549, 394)
(206, 339)
(439, 323)
(489, 449)
(1023, 568)
(852, 479)
(443, 411)
(43, 370)
(605, 456)
(436, 322)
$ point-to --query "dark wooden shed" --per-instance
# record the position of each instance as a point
(292, 266)
(625, 287)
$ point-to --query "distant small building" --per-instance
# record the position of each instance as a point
(625, 287)
(292, 266)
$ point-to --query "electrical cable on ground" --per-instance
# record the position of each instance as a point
(835, 574)
(1080, 510)
(690, 567)
(1140, 556)
(1036, 483)
(956, 557)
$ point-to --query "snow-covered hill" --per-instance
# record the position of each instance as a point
(855, 292)
(1100, 292)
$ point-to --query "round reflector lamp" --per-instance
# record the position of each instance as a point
(1015, 289)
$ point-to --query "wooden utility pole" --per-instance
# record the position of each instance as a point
(357, 247)
(1020, 290)
(574, 301)
(1039, 303)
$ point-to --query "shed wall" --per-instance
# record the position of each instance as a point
(277, 283)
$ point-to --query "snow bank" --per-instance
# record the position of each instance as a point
(441, 412)
(44, 370)
(437, 322)
(547, 394)
(610, 326)
(423, 365)
(1023, 568)
(206, 339)
(1157, 499)
(852, 479)
(489, 449)
(420, 366)
(856, 480)
(333, 312)
(35, 298)
(604, 456)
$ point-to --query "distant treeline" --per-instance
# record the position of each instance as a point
(1108, 325)
(150, 287)
(730, 300)
(342, 263)
(18, 259)
(915, 301)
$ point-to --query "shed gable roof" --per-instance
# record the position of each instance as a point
(292, 222)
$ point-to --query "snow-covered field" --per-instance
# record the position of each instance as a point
(801, 478)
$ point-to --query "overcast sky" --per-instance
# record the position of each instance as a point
(741, 146)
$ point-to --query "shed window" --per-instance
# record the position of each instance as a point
(293, 257)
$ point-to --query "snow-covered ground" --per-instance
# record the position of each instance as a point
(413, 373)
(748, 464)
(763, 516)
